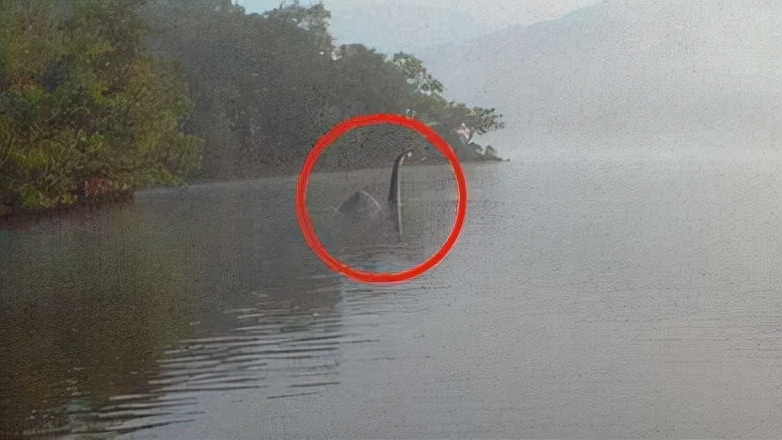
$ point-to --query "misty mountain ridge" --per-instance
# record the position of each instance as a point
(357, 28)
(618, 70)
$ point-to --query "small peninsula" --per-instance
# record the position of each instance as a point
(100, 99)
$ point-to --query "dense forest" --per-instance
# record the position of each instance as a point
(105, 97)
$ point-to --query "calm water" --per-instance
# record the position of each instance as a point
(591, 296)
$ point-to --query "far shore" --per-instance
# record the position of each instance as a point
(11, 220)
(287, 171)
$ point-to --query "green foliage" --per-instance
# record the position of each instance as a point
(79, 99)
(266, 86)
(90, 89)
(314, 20)
(416, 75)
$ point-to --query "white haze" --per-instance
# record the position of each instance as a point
(405, 25)
(661, 74)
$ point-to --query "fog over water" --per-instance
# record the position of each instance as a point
(610, 297)
(619, 277)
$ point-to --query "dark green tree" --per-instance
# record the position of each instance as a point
(80, 100)
(416, 75)
(266, 86)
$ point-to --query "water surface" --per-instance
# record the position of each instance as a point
(588, 296)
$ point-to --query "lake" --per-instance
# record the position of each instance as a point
(588, 296)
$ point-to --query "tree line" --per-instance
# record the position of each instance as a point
(106, 96)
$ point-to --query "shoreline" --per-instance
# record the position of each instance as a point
(14, 220)
(294, 172)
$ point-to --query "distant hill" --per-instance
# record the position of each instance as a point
(640, 70)
(360, 25)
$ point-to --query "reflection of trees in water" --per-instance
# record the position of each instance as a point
(84, 316)
(208, 289)
(268, 315)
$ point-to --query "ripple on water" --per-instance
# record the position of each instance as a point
(274, 347)
(271, 348)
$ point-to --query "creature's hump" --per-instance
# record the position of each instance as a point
(360, 201)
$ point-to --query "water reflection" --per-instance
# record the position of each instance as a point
(114, 320)
(606, 298)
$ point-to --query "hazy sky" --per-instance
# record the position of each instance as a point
(392, 25)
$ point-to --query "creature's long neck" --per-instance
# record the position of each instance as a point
(393, 191)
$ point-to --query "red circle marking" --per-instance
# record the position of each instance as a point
(305, 222)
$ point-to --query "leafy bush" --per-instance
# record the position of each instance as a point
(80, 98)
